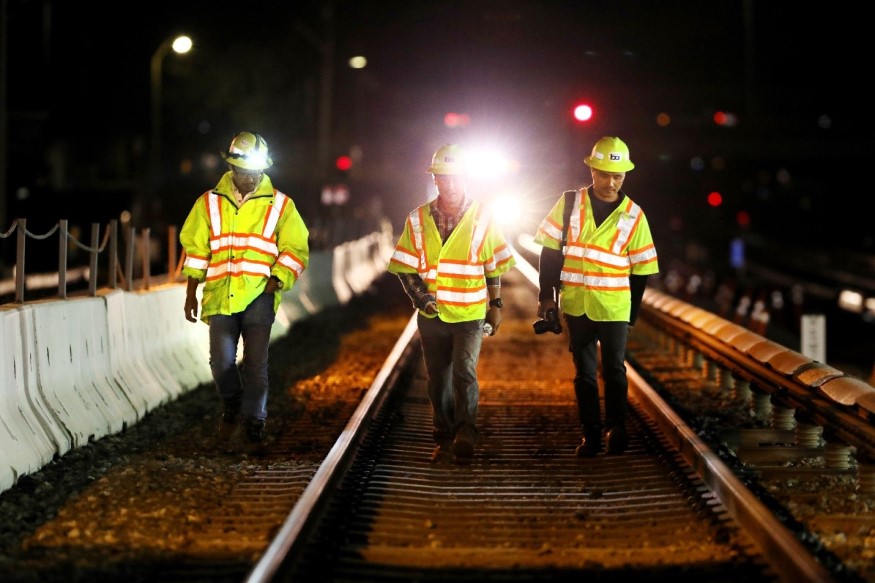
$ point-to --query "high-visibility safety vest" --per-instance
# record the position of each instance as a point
(455, 272)
(598, 261)
(234, 251)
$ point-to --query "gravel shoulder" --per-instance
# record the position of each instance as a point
(123, 498)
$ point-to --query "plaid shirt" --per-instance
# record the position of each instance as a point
(413, 285)
(446, 222)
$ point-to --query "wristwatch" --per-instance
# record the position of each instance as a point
(496, 303)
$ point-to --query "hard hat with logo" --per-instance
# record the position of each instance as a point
(249, 151)
(610, 154)
(448, 159)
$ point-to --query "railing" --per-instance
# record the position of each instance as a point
(119, 274)
(130, 268)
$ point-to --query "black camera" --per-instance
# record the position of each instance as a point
(550, 323)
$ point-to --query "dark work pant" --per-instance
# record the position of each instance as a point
(451, 352)
(247, 383)
(587, 337)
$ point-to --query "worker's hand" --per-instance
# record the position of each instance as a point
(191, 308)
(493, 318)
(431, 307)
(271, 286)
(544, 306)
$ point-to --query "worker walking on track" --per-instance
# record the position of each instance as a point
(246, 241)
(596, 256)
(449, 259)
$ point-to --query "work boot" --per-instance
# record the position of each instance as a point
(463, 444)
(463, 449)
(228, 422)
(591, 444)
(617, 440)
(253, 435)
(441, 452)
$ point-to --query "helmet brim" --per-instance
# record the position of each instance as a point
(607, 166)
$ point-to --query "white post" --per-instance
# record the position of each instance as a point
(813, 337)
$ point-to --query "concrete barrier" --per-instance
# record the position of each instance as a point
(76, 370)
(127, 353)
(321, 281)
(361, 270)
(26, 445)
(340, 267)
(71, 353)
(180, 359)
(292, 308)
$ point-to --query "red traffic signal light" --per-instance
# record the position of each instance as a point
(725, 119)
(343, 163)
(582, 112)
(715, 198)
(456, 120)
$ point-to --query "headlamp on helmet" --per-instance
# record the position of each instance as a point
(249, 151)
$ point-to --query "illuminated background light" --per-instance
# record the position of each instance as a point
(583, 112)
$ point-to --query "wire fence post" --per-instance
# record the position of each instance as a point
(20, 239)
(123, 263)
(129, 259)
(146, 256)
(62, 260)
(92, 275)
(113, 254)
(171, 253)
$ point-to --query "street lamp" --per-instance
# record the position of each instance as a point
(180, 44)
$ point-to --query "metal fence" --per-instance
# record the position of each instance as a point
(102, 250)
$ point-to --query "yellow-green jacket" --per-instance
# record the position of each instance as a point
(456, 271)
(234, 251)
(598, 261)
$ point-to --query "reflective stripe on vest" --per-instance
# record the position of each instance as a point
(481, 222)
(594, 258)
(416, 227)
(449, 269)
(260, 242)
(576, 219)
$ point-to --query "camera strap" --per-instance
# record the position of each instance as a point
(566, 216)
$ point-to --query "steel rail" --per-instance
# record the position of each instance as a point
(847, 423)
(304, 513)
(779, 546)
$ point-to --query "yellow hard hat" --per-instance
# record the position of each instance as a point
(448, 159)
(248, 150)
(610, 154)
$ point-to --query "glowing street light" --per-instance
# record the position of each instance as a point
(180, 45)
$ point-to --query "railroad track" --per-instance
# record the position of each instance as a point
(346, 491)
(526, 508)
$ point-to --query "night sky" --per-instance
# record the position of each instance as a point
(79, 98)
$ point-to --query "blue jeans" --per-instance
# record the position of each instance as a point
(247, 384)
(586, 336)
(450, 353)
